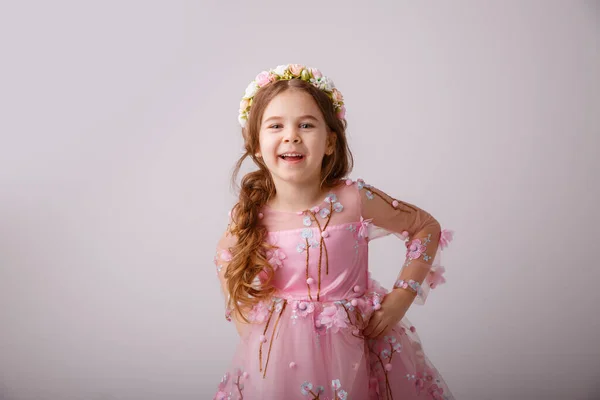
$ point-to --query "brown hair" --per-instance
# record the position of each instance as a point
(257, 188)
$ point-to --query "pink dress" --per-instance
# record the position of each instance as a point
(306, 342)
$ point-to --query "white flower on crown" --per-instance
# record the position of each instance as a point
(326, 84)
(280, 70)
(242, 120)
(251, 90)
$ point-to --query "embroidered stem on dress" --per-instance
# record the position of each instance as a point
(264, 332)
(322, 246)
(272, 337)
(358, 323)
(388, 389)
(239, 388)
(307, 264)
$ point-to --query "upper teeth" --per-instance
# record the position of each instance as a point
(291, 155)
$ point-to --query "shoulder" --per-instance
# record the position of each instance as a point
(360, 188)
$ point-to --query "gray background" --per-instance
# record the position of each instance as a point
(119, 131)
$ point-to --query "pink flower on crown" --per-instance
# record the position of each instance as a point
(296, 69)
(415, 249)
(341, 114)
(333, 318)
(337, 95)
(436, 277)
(263, 78)
(316, 73)
(445, 238)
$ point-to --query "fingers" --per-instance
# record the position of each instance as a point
(381, 331)
(377, 327)
(372, 325)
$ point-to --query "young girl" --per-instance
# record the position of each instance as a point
(293, 262)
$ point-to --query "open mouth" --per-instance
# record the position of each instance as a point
(291, 156)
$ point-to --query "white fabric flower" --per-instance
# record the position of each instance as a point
(242, 120)
(280, 70)
(251, 90)
(326, 83)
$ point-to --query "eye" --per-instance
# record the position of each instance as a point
(274, 126)
(307, 125)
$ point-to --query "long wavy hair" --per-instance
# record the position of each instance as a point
(257, 188)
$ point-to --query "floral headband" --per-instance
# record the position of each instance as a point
(287, 72)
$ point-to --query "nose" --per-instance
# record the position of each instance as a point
(292, 136)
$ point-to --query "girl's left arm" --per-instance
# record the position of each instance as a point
(421, 232)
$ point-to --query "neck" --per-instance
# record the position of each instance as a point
(297, 197)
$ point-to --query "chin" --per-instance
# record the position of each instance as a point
(299, 177)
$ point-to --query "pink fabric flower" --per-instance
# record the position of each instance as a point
(296, 69)
(337, 95)
(436, 276)
(316, 73)
(341, 114)
(263, 78)
(276, 258)
(220, 395)
(415, 249)
(259, 312)
(303, 308)
(436, 392)
(226, 255)
(445, 238)
(333, 318)
(363, 231)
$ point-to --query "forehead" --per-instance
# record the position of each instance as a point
(292, 103)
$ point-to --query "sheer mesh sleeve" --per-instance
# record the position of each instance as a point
(382, 215)
(221, 261)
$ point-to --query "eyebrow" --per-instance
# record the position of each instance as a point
(307, 116)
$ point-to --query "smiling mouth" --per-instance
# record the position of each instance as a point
(292, 156)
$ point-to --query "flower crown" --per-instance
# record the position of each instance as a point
(287, 72)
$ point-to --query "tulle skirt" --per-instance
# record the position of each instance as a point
(298, 349)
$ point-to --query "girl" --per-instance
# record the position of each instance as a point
(293, 262)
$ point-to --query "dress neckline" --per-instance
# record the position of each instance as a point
(332, 191)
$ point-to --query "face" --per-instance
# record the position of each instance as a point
(294, 138)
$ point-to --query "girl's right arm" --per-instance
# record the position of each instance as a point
(222, 258)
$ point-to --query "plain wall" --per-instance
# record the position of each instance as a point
(119, 132)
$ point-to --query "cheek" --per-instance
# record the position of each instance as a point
(267, 148)
(319, 146)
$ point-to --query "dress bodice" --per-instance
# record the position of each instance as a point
(321, 254)
(322, 251)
